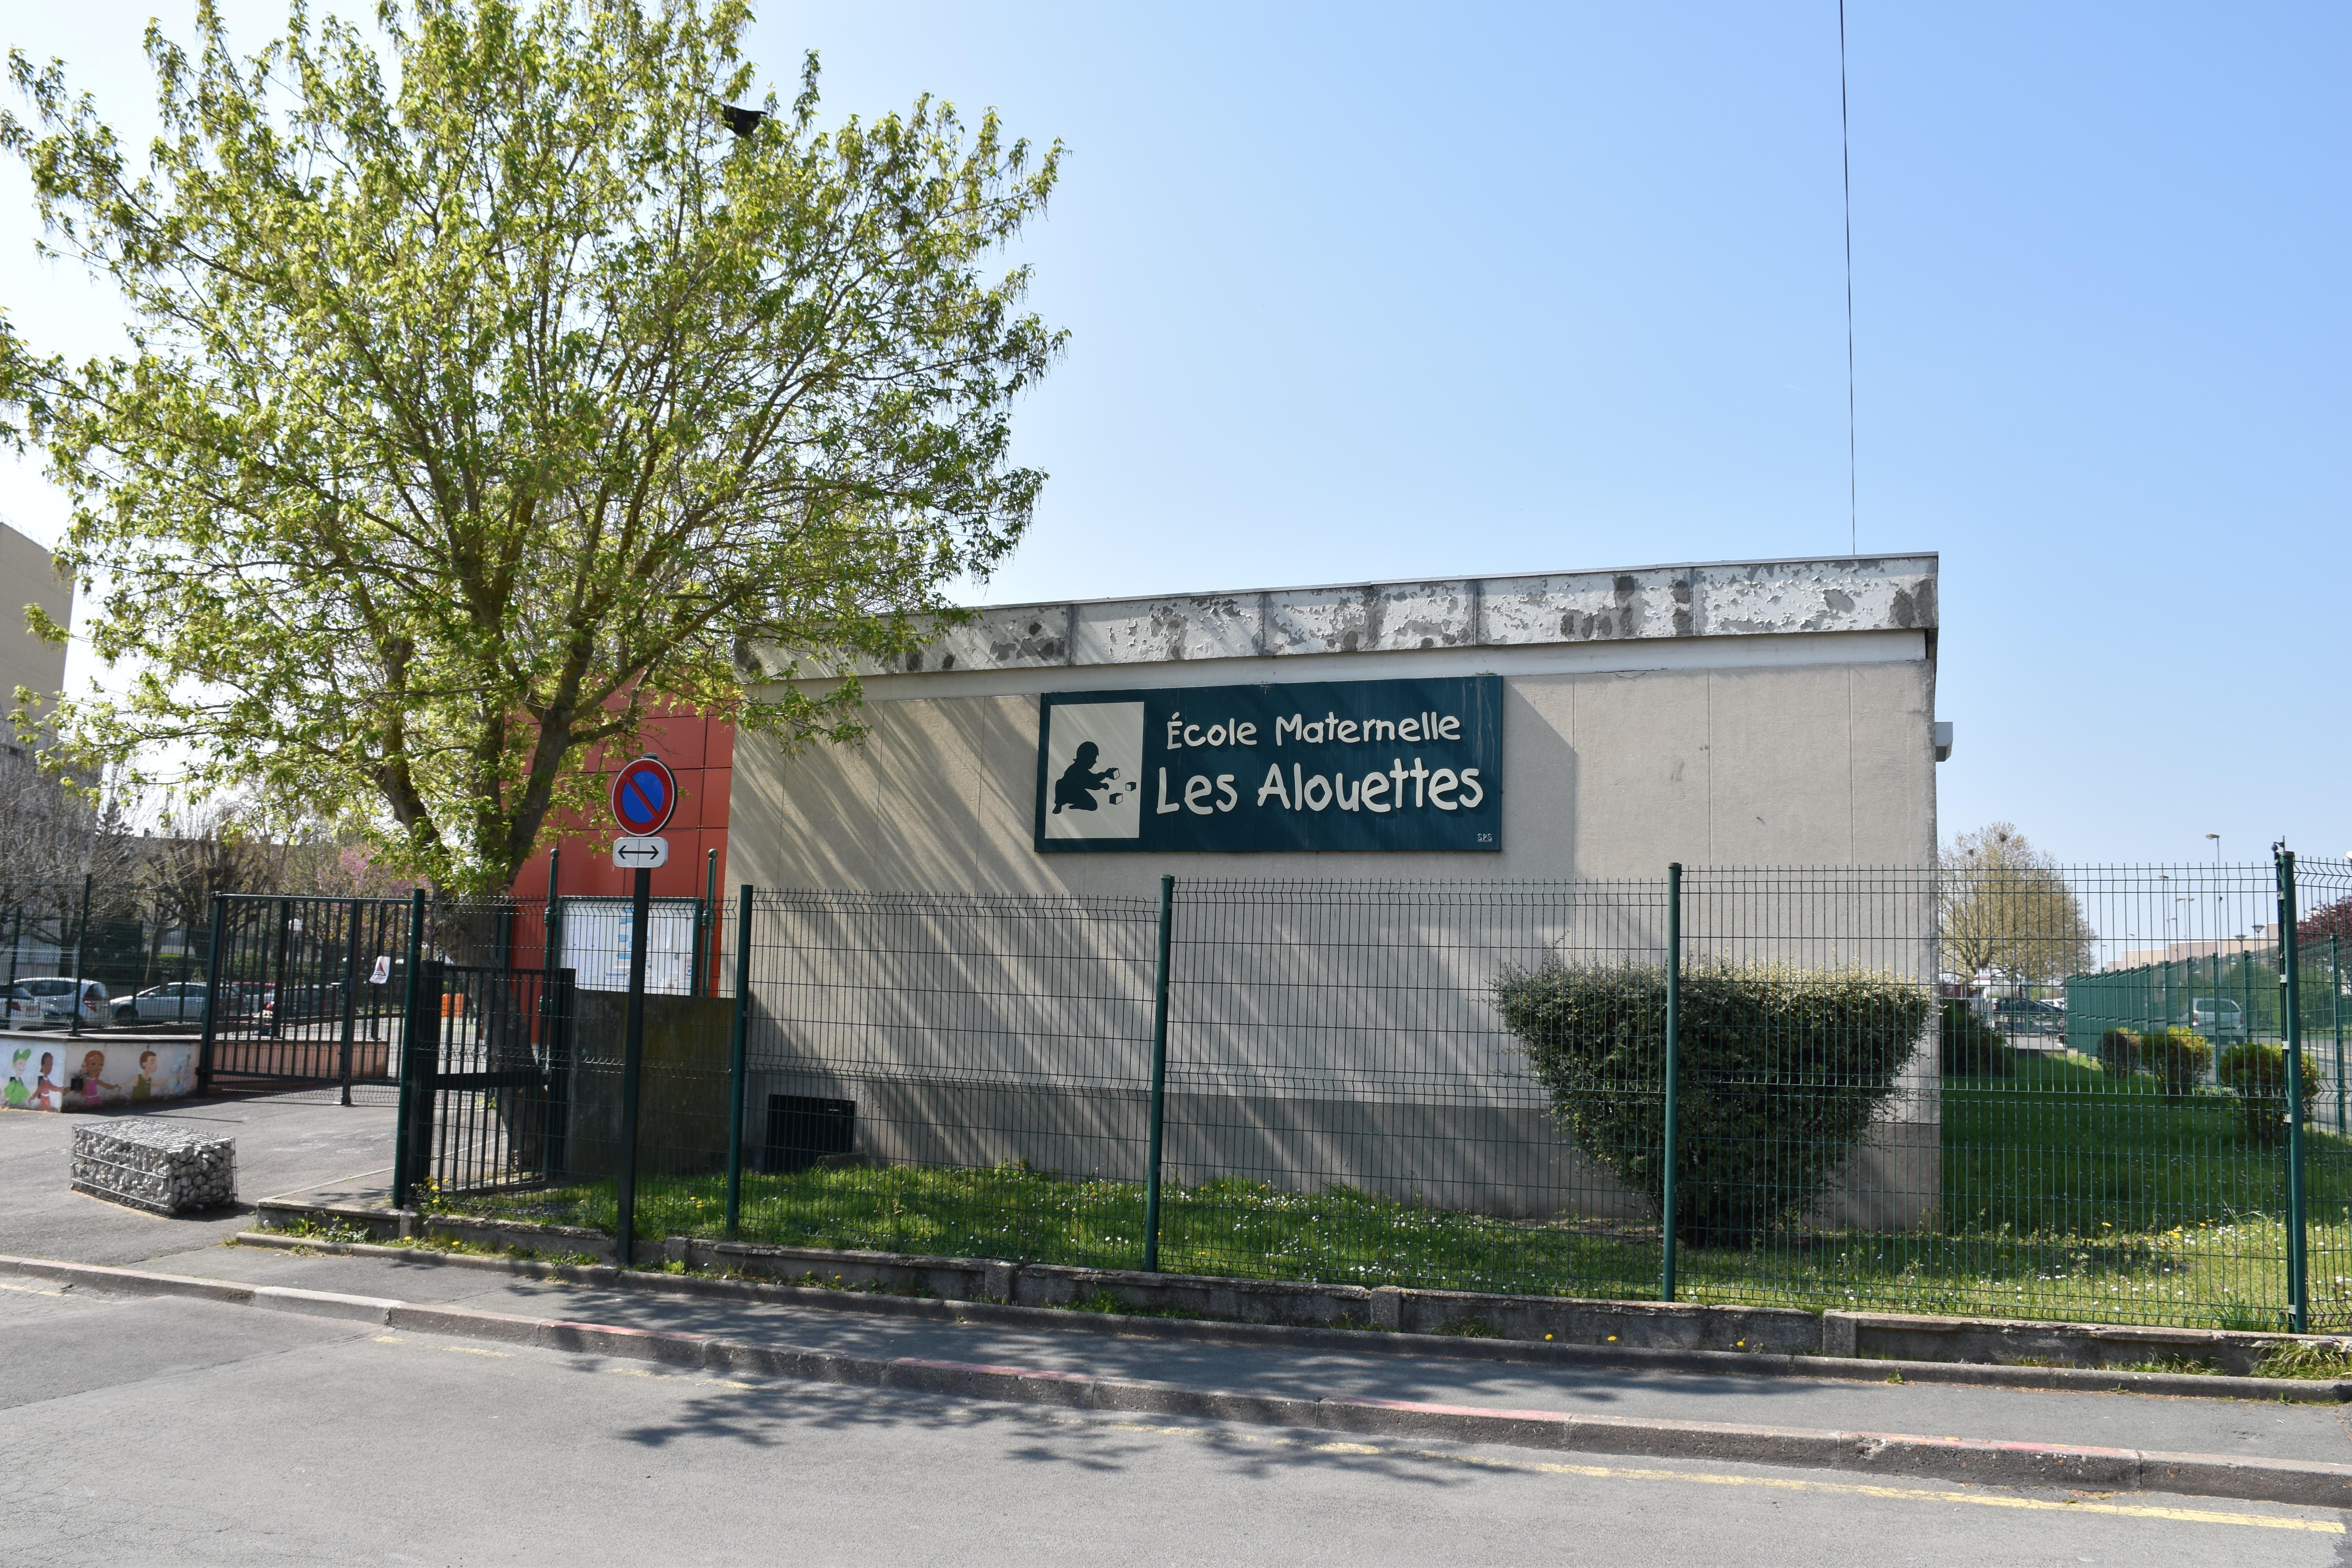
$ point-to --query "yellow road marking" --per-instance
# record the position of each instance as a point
(475, 1349)
(1769, 1483)
(30, 1290)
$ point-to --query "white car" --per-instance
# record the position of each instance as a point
(46, 1002)
(178, 1003)
(2217, 1018)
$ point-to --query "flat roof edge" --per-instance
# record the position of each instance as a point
(1934, 559)
(1714, 599)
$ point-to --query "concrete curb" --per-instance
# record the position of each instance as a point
(1360, 1341)
(2304, 1483)
(1615, 1325)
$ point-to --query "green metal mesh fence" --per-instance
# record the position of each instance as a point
(1345, 1102)
(2014, 1091)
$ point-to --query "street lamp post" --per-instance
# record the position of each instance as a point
(2220, 898)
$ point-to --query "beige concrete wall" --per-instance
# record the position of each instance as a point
(1384, 1043)
(26, 577)
(1605, 774)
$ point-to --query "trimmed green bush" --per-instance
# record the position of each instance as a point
(1782, 1071)
(2120, 1052)
(1973, 1047)
(2179, 1060)
(2255, 1071)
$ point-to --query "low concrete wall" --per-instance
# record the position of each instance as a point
(1565, 1321)
(682, 1094)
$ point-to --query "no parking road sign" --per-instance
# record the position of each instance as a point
(644, 795)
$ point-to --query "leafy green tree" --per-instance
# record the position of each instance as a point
(2005, 907)
(494, 384)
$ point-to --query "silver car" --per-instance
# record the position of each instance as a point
(182, 1002)
(48, 1002)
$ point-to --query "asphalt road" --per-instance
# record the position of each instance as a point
(152, 1431)
(137, 1430)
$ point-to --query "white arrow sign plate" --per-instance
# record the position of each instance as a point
(640, 854)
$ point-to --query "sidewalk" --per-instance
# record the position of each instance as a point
(287, 1143)
(2236, 1429)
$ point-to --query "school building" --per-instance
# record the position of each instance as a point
(1402, 745)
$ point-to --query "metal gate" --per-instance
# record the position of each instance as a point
(486, 1103)
(305, 990)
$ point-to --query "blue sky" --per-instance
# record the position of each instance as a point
(1375, 291)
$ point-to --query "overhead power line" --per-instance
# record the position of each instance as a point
(1846, 156)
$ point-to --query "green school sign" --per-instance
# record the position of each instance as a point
(1326, 765)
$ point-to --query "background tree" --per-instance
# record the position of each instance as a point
(2005, 907)
(486, 393)
(199, 848)
(2329, 922)
(67, 836)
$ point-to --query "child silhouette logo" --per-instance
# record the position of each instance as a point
(1094, 756)
(1076, 786)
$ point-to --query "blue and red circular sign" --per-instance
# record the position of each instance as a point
(644, 793)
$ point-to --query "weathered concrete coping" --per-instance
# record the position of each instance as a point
(1719, 599)
(1753, 1339)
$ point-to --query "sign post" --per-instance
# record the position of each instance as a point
(644, 797)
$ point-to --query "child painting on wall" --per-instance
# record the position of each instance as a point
(45, 1093)
(144, 1086)
(20, 1097)
(93, 1063)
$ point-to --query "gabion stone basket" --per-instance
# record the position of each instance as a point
(160, 1166)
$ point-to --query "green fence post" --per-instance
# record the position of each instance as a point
(2291, 1004)
(1673, 1070)
(2246, 985)
(81, 951)
(742, 1017)
(212, 993)
(2335, 1018)
(1158, 1081)
(402, 1176)
(350, 990)
(706, 931)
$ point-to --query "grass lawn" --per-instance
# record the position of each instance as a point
(2066, 1194)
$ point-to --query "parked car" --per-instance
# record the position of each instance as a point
(2218, 1018)
(2015, 1015)
(46, 1002)
(182, 1002)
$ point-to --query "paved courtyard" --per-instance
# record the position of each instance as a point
(285, 1143)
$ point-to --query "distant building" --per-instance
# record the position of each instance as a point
(701, 753)
(591, 890)
(28, 576)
